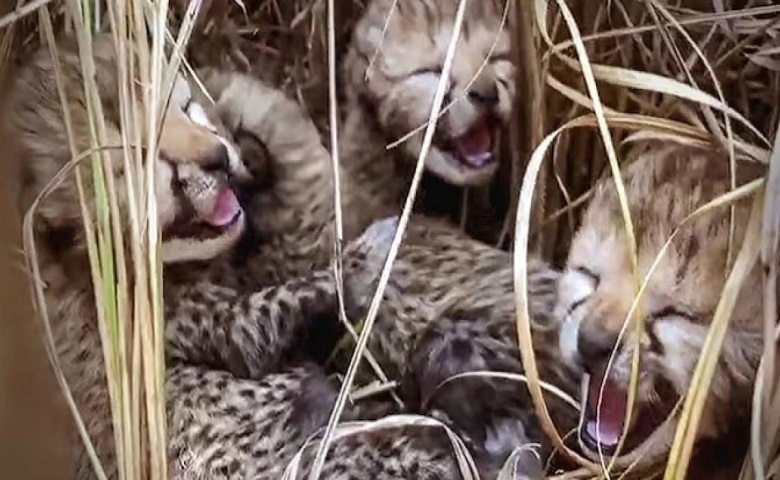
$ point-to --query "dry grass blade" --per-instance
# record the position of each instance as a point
(729, 140)
(385, 274)
(333, 112)
(22, 12)
(465, 461)
(520, 265)
(548, 387)
(39, 298)
(598, 108)
(625, 77)
(119, 220)
(33, 266)
(685, 435)
(690, 20)
(509, 470)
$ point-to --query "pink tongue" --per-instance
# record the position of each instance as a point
(474, 148)
(225, 210)
(612, 413)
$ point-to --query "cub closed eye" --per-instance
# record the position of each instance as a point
(576, 305)
(670, 311)
(427, 70)
(590, 274)
(583, 282)
(198, 116)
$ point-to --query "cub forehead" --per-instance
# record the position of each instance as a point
(663, 187)
(388, 28)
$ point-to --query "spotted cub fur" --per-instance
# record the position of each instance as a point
(444, 286)
(664, 185)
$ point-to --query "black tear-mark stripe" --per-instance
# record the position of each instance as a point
(187, 209)
(656, 346)
(589, 273)
(576, 305)
(671, 311)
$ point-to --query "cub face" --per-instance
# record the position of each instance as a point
(196, 169)
(399, 87)
(597, 291)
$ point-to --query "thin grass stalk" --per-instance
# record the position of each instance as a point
(338, 269)
(384, 277)
(110, 230)
(346, 429)
(22, 11)
(514, 377)
(105, 288)
(682, 446)
(151, 332)
(139, 109)
(122, 40)
(137, 39)
(639, 80)
(520, 267)
(173, 66)
(584, 63)
(333, 113)
(685, 21)
(31, 253)
(729, 140)
(132, 349)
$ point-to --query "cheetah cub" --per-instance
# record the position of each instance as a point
(240, 403)
(664, 185)
(390, 74)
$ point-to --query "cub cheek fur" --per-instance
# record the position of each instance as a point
(567, 340)
(683, 342)
(167, 205)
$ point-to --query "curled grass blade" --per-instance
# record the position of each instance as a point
(598, 108)
(464, 459)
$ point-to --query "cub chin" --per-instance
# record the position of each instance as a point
(664, 185)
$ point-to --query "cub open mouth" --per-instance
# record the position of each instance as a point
(224, 217)
(603, 429)
(474, 149)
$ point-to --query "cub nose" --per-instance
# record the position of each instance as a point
(485, 97)
(218, 161)
(595, 345)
